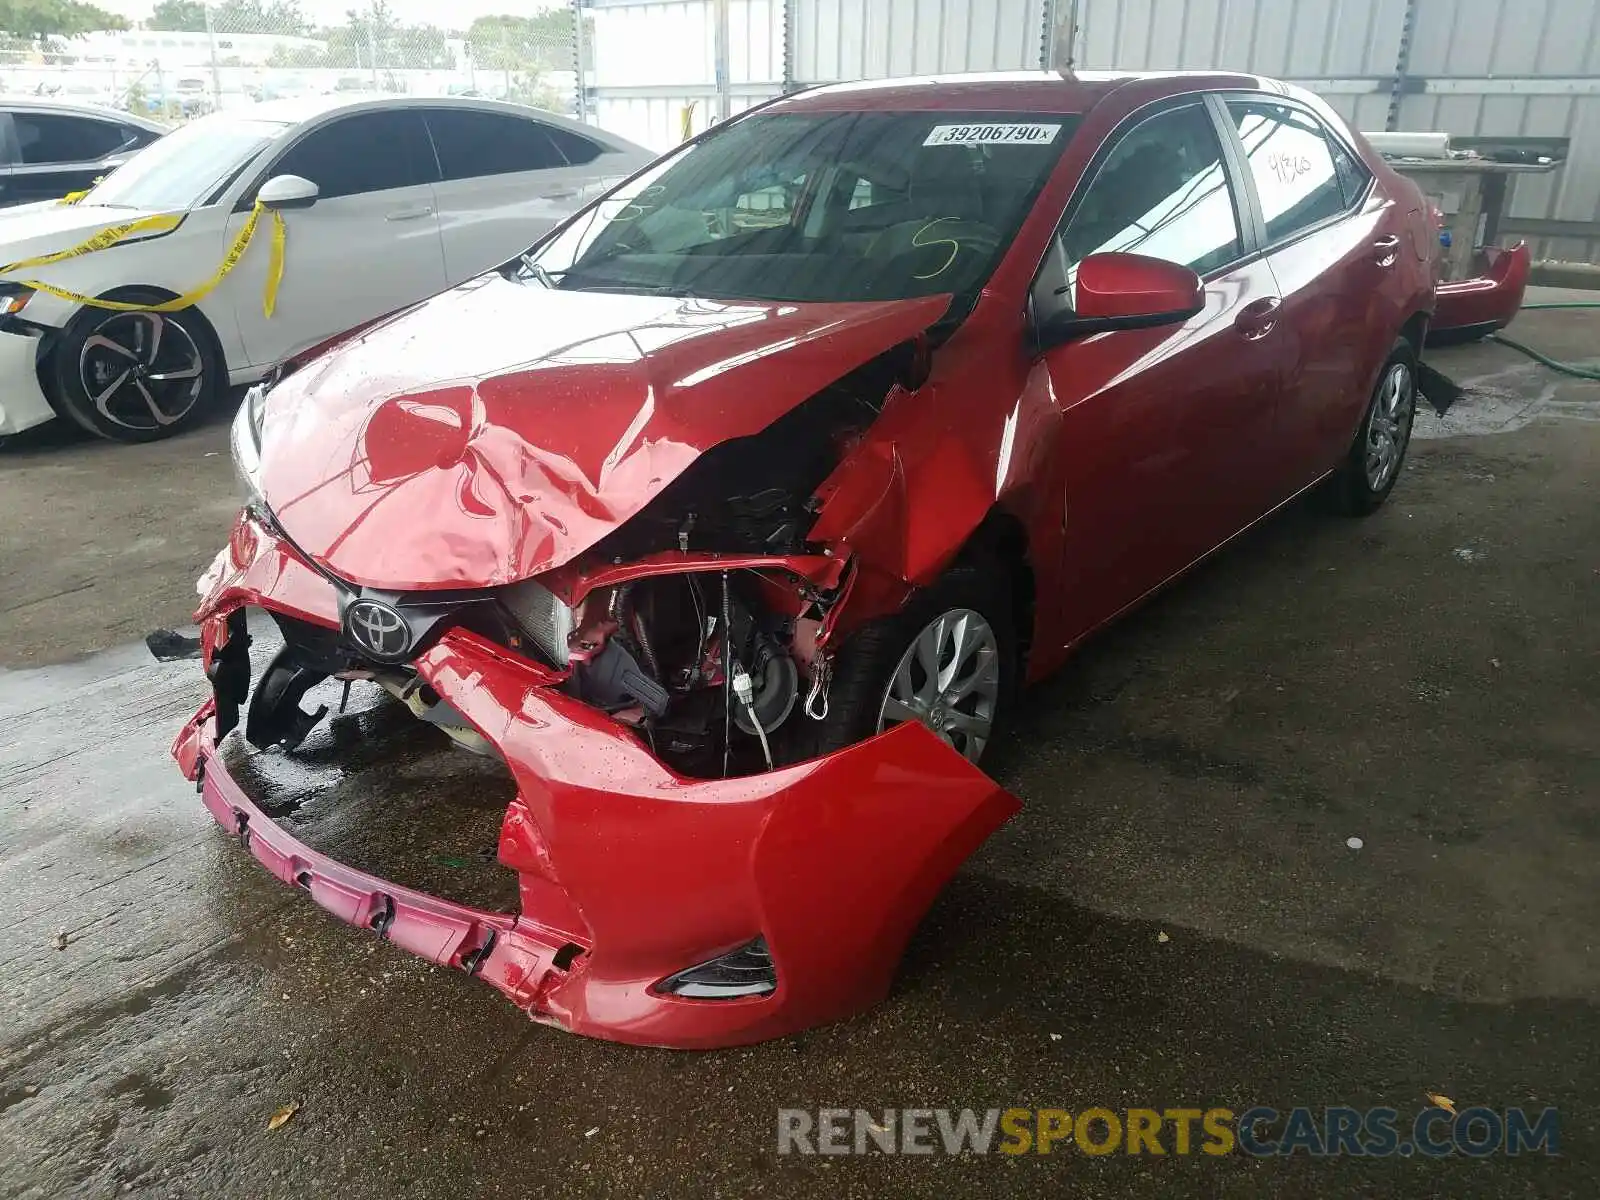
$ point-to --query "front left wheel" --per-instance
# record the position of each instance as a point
(948, 660)
(135, 376)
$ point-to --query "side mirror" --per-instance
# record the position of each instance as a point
(1124, 291)
(287, 191)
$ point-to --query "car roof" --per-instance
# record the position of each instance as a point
(297, 110)
(1002, 91)
(73, 108)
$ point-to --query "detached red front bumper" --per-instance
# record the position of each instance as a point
(629, 873)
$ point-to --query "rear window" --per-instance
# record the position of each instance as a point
(472, 144)
(51, 138)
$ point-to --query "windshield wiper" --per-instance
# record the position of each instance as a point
(538, 272)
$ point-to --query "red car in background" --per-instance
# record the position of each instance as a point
(733, 515)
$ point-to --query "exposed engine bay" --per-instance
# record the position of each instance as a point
(690, 623)
(705, 665)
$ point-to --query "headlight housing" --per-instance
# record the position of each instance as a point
(246, 438)
(13, 298)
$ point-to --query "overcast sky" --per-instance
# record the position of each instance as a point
(458, 14)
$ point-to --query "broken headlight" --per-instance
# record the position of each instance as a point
(246, 438)
(14, 298)
(543, 617)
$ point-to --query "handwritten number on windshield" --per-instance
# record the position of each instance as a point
(637, 207)
(919, 243)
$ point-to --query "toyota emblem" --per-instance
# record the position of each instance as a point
(378, 630)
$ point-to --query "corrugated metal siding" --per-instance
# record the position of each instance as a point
(653, 58)
(657, 121)
(1490, 67)
(1348, 49)
(657, 42)
(1304, 38)
(877, 39)
(1461, 45)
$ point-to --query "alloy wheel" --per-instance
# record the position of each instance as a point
(1389, 427)
(949, 680)
(141, 370)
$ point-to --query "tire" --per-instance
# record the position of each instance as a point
(168, 366)
(970, 595)
(1363, 481)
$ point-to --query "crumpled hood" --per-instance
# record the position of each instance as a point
(501, 429)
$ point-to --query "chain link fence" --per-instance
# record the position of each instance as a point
(187, 58)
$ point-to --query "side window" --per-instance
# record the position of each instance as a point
(1352, 172)
(1162, 192)
(1291, 161)
(50, 138)
(364, 152)
(574, 147)
(473, 144)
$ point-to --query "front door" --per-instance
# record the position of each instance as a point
(1163, 432)
(368, 246)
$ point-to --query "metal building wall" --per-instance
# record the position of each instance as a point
(878, 39)
(1520, 67)
(1476, 67)
(654, 58)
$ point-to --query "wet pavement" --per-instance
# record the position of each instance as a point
(1175, 918)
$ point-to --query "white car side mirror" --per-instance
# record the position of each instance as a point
(287, 191)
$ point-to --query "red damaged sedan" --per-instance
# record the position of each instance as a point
(732, 516)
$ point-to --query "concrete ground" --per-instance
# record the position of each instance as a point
(1175, 919)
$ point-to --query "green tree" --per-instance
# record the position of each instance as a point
(298, 56)
(179, 16)
(261, 16)
(41, 20)
(543, 42)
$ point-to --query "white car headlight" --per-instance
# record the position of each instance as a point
(246, 440)
(13, 298)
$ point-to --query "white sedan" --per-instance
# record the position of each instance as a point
(386, 201)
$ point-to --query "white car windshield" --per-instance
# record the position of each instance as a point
(180, 171)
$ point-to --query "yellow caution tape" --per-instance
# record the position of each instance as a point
(74, 197)
(162, 224)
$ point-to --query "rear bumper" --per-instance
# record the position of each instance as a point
(22, 403)
(1484, 303)
(627, 872)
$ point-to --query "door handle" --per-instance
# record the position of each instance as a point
(1388, 249)
(410, 214)
(567, 194)
(1256, 319)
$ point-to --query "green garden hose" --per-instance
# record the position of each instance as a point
(1564, 368)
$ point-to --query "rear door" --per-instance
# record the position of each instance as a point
(505, 180)
(368, 246)
(1334, 244)
(1163, 431)
(53, 153)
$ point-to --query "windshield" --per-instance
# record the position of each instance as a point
(181, 169)
(816, 207)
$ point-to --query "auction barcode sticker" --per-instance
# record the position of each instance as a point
(999, 134)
